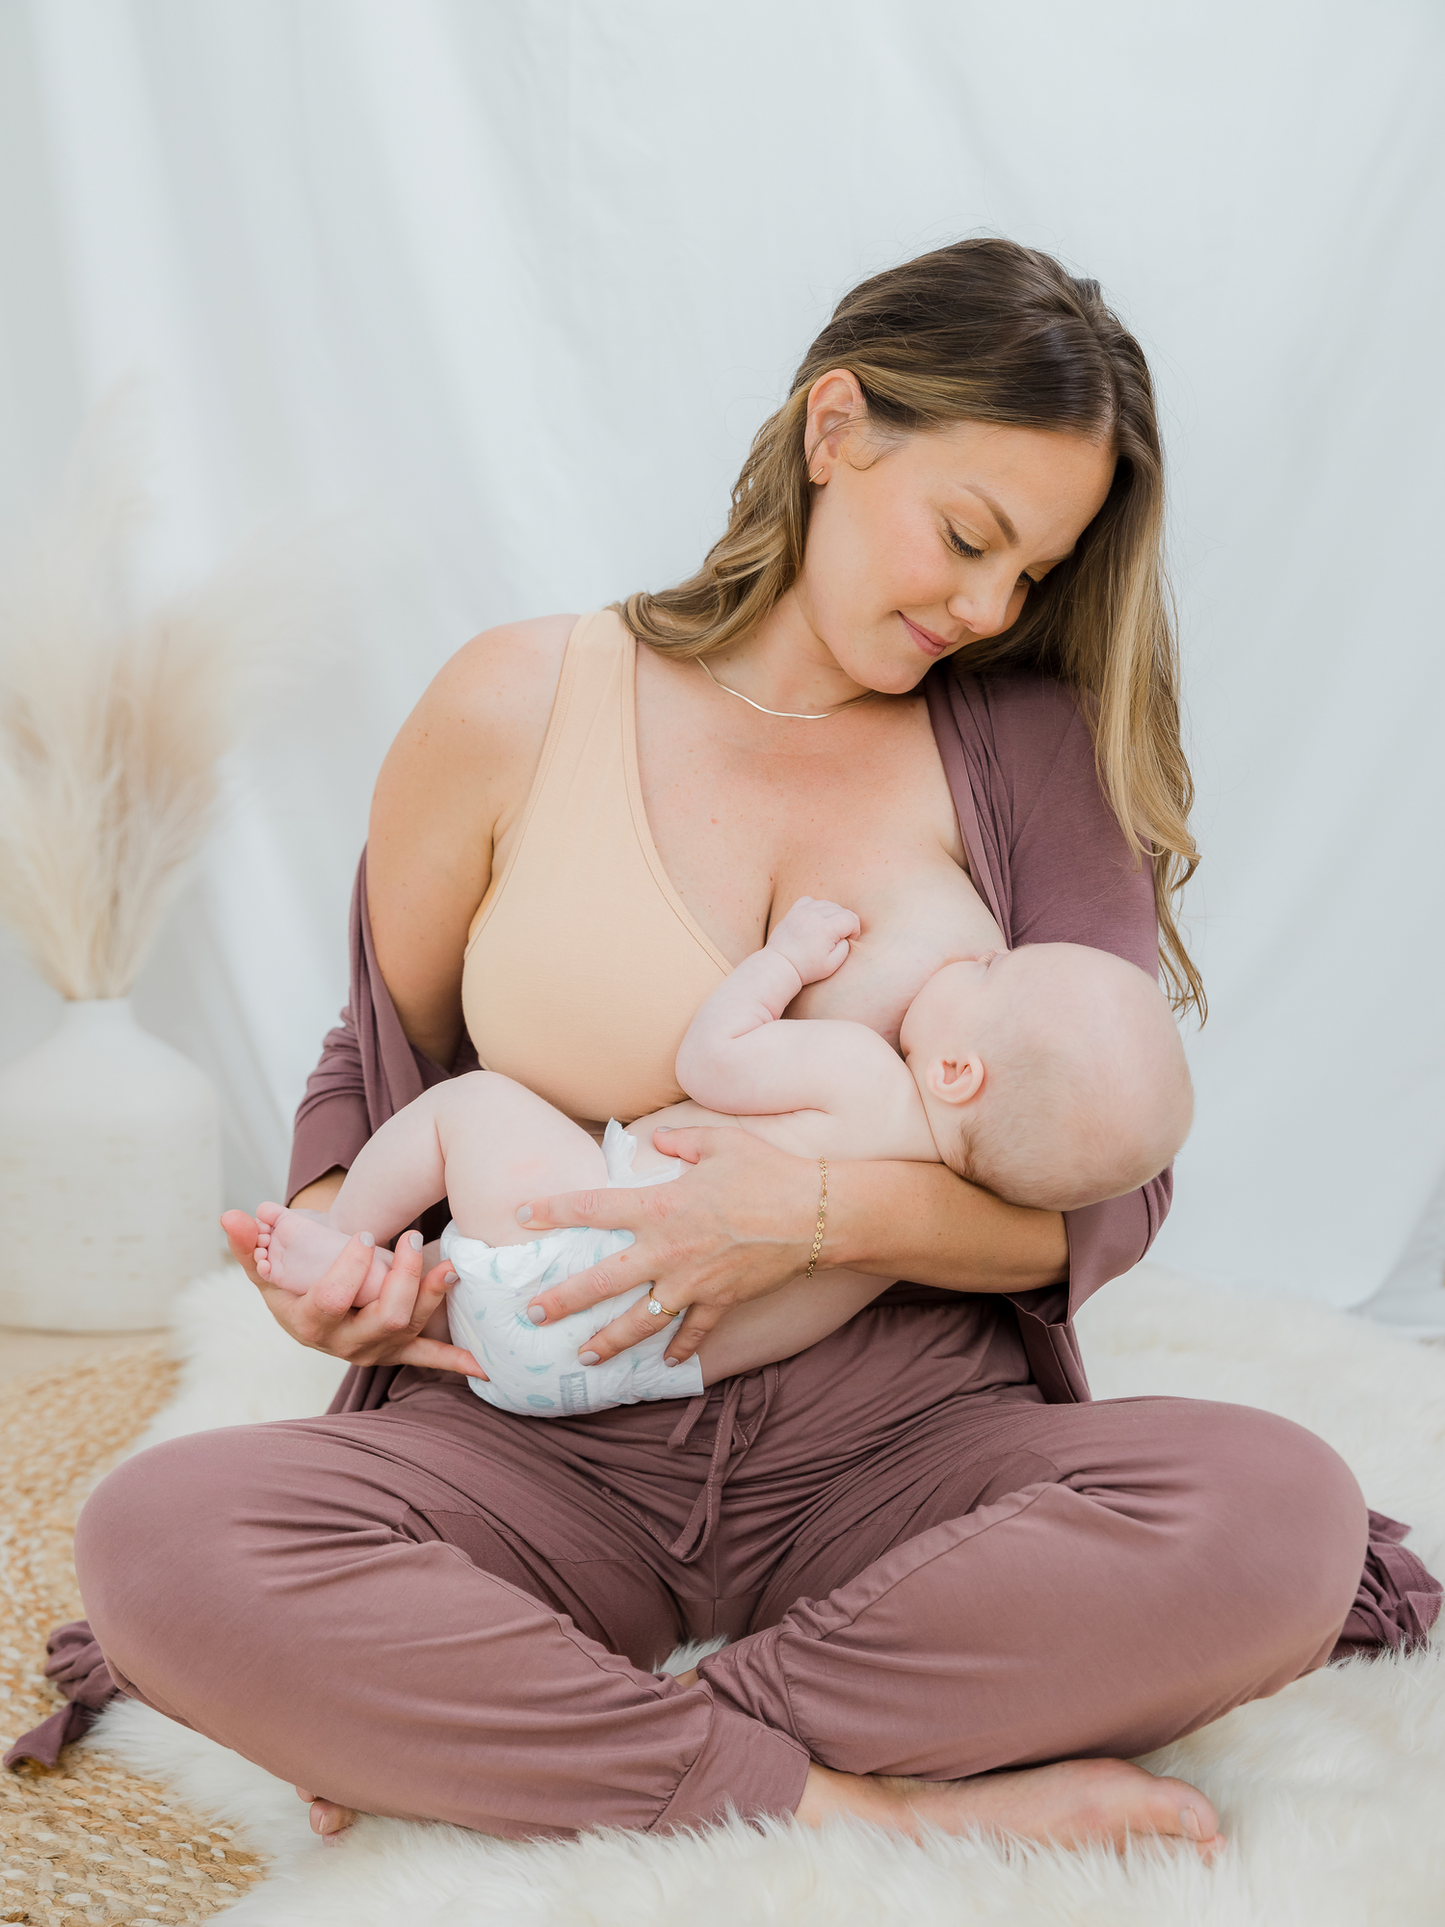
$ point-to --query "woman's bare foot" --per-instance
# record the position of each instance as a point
(1072, 1804)
(327, 1819)
(295, 1248)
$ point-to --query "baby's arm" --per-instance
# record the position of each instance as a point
(852, 1094)
(737, 1056)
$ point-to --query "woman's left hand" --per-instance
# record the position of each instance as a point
(737, 1226)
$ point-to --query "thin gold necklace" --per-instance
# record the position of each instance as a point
(788, 715)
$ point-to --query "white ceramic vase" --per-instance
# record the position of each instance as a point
(110, 1177)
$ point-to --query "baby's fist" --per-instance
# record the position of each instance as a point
(814, 937)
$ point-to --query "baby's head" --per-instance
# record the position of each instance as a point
(1053, 1075)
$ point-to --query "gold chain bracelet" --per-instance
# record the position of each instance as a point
(822, 1216)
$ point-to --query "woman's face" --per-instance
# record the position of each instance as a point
(918, 547)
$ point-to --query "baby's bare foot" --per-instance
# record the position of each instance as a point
(1072, 1804)
(295, 1248)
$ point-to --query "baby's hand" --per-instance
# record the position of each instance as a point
(814, 937)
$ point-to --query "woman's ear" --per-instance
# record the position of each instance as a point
(955, 1080)
(834, 402)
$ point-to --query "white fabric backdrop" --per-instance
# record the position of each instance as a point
(518, 278)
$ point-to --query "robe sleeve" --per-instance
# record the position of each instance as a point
(1048, 855)
(367, 1072)
(331, 1119)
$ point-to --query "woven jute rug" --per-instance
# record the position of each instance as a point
(88, 1841)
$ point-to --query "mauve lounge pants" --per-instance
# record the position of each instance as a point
(442, 1611)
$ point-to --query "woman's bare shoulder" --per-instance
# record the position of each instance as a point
(511, 657)
(499, 684)
(456, 775)
(480, 723)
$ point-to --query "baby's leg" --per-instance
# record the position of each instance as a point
(784, 1323)
(481, 1141)
(501, 1144)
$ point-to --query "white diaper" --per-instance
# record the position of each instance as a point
(533, 1369)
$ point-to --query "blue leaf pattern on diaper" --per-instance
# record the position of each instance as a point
(503, 1280)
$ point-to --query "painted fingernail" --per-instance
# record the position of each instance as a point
(414, 1240)
(366, 1238)
(450, 1279)
(536, 1314)
(524, 1214)
(589, 1358)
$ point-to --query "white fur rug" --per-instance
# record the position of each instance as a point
(1333, 1793)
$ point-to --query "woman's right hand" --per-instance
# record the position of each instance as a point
(386, 1332)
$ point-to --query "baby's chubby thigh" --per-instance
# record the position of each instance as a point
(503, 1145)
(534, 1370)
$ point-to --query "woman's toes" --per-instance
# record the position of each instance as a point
(330, 1820)
(1197, 1819)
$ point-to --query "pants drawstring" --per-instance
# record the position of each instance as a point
(729, 1447)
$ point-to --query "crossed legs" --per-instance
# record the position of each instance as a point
(456, 1622)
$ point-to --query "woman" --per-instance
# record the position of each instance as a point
(934, 1558)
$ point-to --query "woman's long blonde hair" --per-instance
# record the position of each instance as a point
(989, 331)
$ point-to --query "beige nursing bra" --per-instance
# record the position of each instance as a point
(583, 966)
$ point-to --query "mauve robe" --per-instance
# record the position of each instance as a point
(1048, 857)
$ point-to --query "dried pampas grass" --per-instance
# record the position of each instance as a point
(117, 710)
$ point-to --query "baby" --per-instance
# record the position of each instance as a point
(1053, 1075)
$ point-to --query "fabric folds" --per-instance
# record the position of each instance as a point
(1049, 858)
(78, 1669)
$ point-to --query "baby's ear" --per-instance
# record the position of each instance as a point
(955, 1080)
